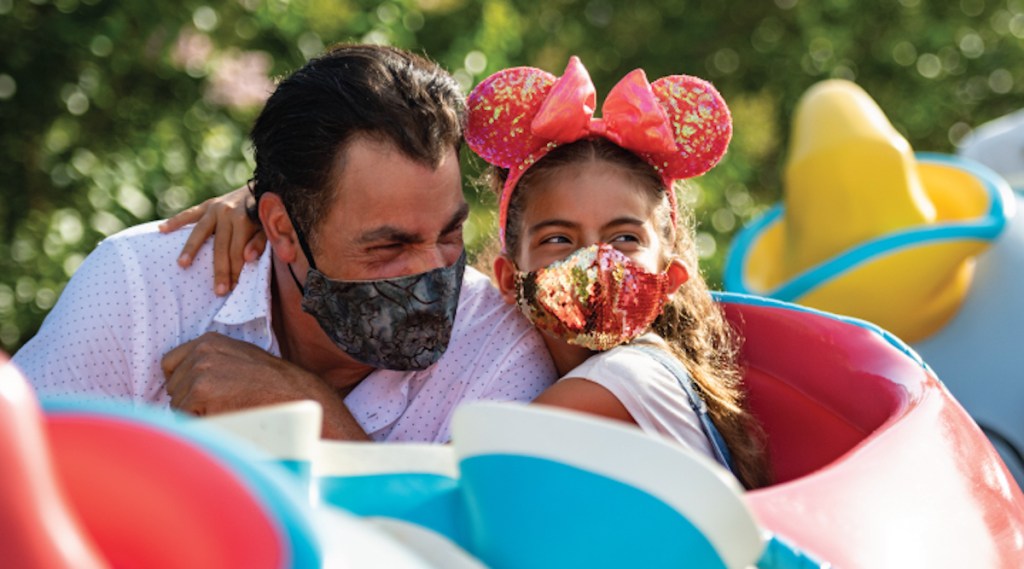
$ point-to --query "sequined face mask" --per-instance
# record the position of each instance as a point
(401, 323)
(597, 298)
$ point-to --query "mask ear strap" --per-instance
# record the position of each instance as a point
(302, 289)
(305, 246)
(302, 240)
(305, 249)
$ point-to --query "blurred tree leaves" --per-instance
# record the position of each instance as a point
(115, 113)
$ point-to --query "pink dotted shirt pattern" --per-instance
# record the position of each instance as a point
(129, 304)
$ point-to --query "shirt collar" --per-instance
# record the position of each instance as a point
(380, 399)
(250, 300)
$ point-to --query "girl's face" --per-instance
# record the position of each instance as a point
(582, 204)
(578, 205)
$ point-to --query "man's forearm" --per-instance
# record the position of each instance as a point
(340, 425)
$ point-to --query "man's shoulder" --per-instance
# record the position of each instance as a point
(141, 263)
(479, 301)
(147, 236)
(152, 253)
(487, 327)
(477, 283)
(143, 241)
(477, 288)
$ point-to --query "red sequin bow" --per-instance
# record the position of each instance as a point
(680, 124)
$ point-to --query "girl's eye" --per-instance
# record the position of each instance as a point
(555, 240)
(626, 242)
(625, 238)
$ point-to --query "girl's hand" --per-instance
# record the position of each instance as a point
(236, 239)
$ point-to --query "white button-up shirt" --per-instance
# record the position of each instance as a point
(129, 304)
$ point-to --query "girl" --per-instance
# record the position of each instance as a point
(595, 255)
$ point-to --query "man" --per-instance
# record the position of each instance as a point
(353, 304)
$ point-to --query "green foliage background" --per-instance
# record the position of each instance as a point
(118, 112)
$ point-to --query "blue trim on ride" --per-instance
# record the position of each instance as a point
(780, 554)
(302, 470)
(1002, 207)
(734, 276)
(429, 500)
(563, 516)
(270, 486)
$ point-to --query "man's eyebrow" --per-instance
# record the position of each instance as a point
(393, 234)
(390, 234)
(460, 217)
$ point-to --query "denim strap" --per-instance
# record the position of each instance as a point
(673, 365)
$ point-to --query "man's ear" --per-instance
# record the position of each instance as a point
(278, 227)
(678, 274)
(505, 274)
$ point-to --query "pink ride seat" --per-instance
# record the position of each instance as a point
(818, 385)
(875, 463)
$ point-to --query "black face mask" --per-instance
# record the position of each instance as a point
(401, 323)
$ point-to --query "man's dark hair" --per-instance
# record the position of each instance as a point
(378, 91)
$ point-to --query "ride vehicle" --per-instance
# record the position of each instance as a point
(928, 246)
(876, 465)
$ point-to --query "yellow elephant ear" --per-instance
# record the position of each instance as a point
(868, 228)
(850, 176)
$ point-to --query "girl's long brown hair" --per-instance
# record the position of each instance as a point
(692, 323)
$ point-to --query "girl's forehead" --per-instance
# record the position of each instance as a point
(590, 185)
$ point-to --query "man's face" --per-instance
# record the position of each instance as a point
(391, 216)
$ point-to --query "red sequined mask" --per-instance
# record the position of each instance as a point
(597, 298)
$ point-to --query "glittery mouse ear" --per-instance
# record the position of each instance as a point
(679, 124)
(700, 121)
(501, 110)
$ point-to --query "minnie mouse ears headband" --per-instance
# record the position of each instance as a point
(680, 125)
